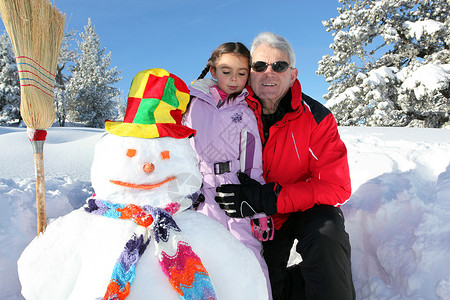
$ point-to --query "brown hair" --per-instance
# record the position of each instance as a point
(230, 47)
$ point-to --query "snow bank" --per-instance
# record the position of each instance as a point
(397, 216)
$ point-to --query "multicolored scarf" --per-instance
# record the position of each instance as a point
(178, 261)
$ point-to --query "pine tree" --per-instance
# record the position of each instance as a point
(66, 57)
(9, 82)
(390, 65)
(90, 94)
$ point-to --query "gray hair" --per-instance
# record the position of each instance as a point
(275, 41)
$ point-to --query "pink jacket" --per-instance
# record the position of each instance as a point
(219, 131)
(218, 140)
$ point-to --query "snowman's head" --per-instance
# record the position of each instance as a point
(147, 158)
(156, 172)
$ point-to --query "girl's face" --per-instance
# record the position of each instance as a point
(231, 72)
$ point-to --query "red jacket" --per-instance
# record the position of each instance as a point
(305, 155)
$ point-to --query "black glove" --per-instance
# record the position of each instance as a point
(248, 198)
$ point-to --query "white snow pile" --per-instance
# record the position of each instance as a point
(419, 28)
(429, 77)
(397, 216)
(425, 79)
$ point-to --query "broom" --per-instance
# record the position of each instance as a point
(36, 29)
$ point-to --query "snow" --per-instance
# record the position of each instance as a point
(349, 93)
(418, 28)
(397, 216)
(379, 76)
(429, 77)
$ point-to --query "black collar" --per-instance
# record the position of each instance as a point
(268, 120)
(283, 107)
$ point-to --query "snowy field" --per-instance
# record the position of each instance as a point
(397, 217)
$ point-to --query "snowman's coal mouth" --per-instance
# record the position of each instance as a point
(142, 186)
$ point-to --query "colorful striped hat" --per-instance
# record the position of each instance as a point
(156, 102)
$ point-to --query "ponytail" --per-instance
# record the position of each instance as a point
(204, 72)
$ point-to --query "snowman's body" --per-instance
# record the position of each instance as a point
(75, 257)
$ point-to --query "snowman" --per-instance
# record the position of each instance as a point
(136, 238)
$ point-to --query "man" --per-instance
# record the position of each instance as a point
(307, 174)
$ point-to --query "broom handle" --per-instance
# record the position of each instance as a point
(40, 192)
(37, 138)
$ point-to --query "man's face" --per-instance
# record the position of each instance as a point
(271, 86)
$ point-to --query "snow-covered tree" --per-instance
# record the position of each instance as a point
(9, 82)
(91, 96)
(121, 106)
(66, 56)
(390, 64)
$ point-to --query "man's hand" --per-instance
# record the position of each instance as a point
(248, 198)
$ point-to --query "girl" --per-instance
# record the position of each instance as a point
(227, 140)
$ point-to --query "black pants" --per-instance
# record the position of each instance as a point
(325, 272)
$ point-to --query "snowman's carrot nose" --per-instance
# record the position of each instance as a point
(149, 167)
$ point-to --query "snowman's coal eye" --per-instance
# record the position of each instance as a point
(165, 155)
(131, 152)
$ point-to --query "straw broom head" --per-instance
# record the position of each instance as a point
(36, 29)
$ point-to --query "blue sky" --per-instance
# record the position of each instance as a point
(180, 35)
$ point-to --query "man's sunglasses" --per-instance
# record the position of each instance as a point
(278, 66)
